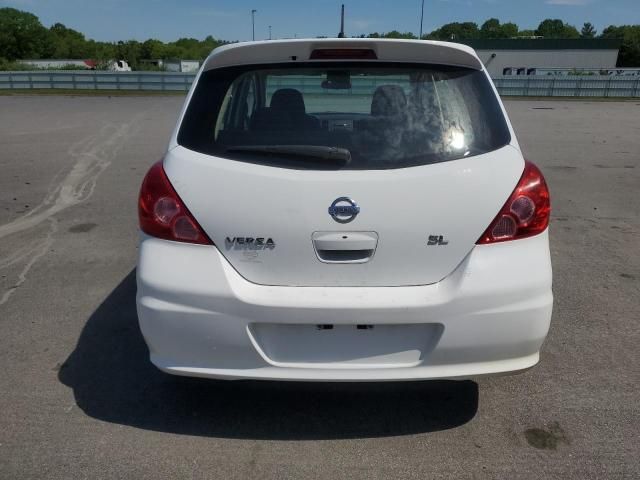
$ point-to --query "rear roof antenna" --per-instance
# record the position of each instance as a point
(341, 34)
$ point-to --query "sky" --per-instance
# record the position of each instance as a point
(169, 20)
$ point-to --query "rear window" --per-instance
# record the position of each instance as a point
(340, 116)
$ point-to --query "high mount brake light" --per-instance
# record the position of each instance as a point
(343, 54)
(162, 213)
(525, 214)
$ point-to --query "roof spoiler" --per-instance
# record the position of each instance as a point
(384, 50)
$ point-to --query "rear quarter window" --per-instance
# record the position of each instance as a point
(385, 115)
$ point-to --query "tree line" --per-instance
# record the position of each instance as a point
(629, 55)
(22, 36)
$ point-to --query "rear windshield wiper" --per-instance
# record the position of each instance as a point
(309, 151)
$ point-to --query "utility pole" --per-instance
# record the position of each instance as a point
(341, 34)
(269, 32)
(253, 24)
(421, 18)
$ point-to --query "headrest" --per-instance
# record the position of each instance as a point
(388, 100)
(289, 100)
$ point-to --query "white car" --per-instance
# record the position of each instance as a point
(344, 210)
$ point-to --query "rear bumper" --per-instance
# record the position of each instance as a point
(199, 317)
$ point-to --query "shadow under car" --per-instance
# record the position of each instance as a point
(113, 380)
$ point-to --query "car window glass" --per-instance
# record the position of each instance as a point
(385, 116)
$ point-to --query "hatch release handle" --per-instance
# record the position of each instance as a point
(344, 247)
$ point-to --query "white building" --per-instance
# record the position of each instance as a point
(531, 56)
(52, 64)
(60, 63)
(185, 66)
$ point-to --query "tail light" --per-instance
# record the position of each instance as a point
(526, 213)
(162, 213)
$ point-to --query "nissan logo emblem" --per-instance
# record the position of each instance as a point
(344, 210)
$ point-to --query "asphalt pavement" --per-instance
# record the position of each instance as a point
(79, 398)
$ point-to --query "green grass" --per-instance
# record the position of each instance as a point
(89, 92)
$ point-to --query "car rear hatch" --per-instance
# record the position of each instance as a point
(411, 164)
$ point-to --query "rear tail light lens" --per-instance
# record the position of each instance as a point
(162, 213)
(526, 213)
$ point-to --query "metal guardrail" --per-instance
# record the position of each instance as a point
(527, 86)
(570, 86)
(97, 80)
